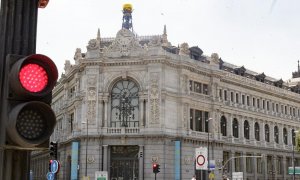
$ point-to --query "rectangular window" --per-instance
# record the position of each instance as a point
(71, 121)
(237, 162)
(205, 89)
(277, 108)
(225, 159)
(243, 99)
(237, 98)
(220, 93)
(263, 104)
(268, 106)
(253, 102)
(248, 101)
(225, 95)
(249, 163)
(259, 165)
(279, 165)
(258, 103)
(197, 87)
(294, 112)
(191, 119)
(191, 85)
(281, 108)
(198, 120)
(231, 96)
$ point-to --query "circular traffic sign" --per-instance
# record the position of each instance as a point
(200, 160)
(50, 176)
(54, 166)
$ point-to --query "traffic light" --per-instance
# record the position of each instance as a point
(53, 149)
(28, 84)
(156, 168)
(50, 162)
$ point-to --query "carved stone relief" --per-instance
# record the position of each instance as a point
(185, 115)
(125, 44)
(154, 98)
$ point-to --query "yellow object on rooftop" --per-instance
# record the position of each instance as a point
(127, 7)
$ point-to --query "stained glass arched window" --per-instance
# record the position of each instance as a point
(124, 104)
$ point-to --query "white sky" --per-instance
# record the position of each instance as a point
(262, 35)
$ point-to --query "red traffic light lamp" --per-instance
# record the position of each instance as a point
(156, 168)
(28, 92)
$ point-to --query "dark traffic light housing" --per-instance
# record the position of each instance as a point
(53, 149)
(156, 168)
(28, 85)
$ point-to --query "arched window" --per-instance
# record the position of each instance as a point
(246, 129)
(256, 128)
(276, 134)
(293, 137)
(267, 133)
(124, 104)
(223, 125)
(235, 128)
(285, 136)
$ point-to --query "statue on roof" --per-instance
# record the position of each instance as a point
(184, 49)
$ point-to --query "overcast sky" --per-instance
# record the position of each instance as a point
(262, 35)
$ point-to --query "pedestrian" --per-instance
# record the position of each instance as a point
(194, 177)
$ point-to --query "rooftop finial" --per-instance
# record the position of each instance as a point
(165, 30)
(98, 34)
(297, 73)
(127, 18)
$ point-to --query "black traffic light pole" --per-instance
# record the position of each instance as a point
(18, 22)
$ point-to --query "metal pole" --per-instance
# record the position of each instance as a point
(293, 162)
(155, 176)
(86, 147)
(208, 171)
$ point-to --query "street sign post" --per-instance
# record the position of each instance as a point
(201, 158)
(101, 175)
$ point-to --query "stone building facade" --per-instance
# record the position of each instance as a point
(129, 102)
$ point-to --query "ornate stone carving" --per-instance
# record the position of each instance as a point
(155, 42)
(183, 83)
(214, 58)
(93, 45)
(184, 49)
(154, 97)
(93, 49)
(91, 80)
(125, 44)
(67, 66)
(77, 54)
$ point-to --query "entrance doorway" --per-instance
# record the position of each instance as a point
(124, 163)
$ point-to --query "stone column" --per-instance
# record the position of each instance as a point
(243, 163)
(265, 164)
(274, 169)
(284, 165)
(290, 135)
(141, 112)
(252, 129)
(254, 166)
(232, 163)
(105, 113)
(241, 128)
(229, 125)
(105, 158)
(141, 162)
(280, 135)
(271, 126)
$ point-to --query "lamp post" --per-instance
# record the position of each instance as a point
(86, 145)
(208, 169)
(293, 156)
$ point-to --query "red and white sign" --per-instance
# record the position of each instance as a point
(201, 158)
